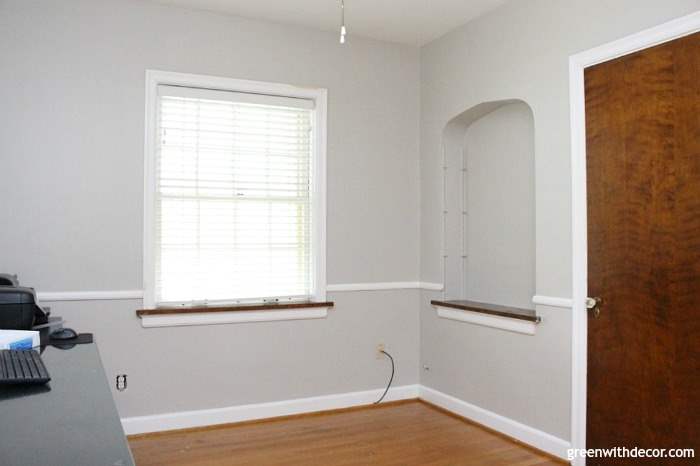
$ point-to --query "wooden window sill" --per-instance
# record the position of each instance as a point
(490, 315)
(213, 315)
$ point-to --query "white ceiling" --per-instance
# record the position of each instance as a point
(414, 22)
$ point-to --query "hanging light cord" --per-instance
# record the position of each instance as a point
(342, 21)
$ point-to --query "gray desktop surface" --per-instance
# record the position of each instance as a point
(71, 421)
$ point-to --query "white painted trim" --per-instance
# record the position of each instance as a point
(526, 434)
(577, 63)
(206, 417)
(139, 294)
(319, 96)
(384, 286)
(486, 320)
(656, 35)
(149, 183)
(231, 414)
(376, 286)
(237, 317)
(90, 295)
(552, 301)
(428, 286)
(319, 194)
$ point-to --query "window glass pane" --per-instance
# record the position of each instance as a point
(233, 200)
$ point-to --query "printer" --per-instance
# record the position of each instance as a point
(19, 309)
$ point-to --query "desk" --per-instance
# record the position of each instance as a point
(71, 421)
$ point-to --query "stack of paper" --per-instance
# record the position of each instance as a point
(19, 339)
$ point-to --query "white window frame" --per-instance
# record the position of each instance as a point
(154, 78)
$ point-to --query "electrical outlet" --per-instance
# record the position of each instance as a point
(380, 348)
(121, 382)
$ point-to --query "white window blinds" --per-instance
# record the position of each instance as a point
(233, 208)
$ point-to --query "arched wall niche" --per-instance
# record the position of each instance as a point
(489, 204)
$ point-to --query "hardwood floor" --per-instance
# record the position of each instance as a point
(402, 433)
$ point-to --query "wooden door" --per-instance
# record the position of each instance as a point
(643, 172)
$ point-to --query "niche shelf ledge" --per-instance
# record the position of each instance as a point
(507, 318)
(232, 314)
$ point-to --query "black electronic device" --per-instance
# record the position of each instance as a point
(22, 367)
(7, 279)
(19, 309)
(63, 334)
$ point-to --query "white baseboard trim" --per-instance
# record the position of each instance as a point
(526, 434)
(207, 417)
(553, 301)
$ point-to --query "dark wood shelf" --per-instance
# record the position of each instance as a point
(232, 308)
(492, 309)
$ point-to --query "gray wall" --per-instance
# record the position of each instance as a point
(71, 142)
(489, 205)
(500, 200)
(187, 368)
(71, 184)
(519, 51)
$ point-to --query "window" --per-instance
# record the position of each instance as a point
(234, 192)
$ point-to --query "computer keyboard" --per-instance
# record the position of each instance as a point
(22, 367)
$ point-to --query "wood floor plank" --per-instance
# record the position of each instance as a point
(408, 433)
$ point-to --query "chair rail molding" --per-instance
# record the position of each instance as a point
(376, 286)
(114, 295)
(552, 301)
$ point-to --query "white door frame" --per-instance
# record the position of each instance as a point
(577, 63)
